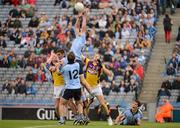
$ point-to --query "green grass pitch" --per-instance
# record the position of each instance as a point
(69, 124)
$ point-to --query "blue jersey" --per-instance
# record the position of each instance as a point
(71, 73)
(77, 46)
(65, 61)
(131, 118)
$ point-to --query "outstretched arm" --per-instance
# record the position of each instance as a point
(77, 24)
(53, 56)
(84, 24)
(85, 84)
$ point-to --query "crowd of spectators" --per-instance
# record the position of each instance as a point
(164, 4)
(122, 36)
(18, 86)
(172, 72)
(173, 64)
(22, 8)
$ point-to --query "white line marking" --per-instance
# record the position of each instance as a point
(42, 126)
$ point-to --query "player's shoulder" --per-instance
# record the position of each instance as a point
(128, 110)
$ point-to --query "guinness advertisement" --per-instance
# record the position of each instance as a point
(46, 114)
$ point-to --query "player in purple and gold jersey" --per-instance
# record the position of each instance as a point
(94, 68)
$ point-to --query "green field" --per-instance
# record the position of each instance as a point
(97, 124)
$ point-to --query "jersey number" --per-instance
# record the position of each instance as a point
(73, 74)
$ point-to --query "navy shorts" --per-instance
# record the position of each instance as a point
(72, 93)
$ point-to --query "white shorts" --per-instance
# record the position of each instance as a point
(58, 90)
(96, 91)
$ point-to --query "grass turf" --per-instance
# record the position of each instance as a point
(69, 124)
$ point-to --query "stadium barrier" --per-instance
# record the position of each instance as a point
(45, 113)
(0, 113)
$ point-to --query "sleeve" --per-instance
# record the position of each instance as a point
(86, 60)
(139, 117)
(125, 113)
(65, 61)
(80, 69)
(48, 66)
(61, 69)
(83, 36)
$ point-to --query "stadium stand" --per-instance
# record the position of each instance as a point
(123, 35)
(171, 86)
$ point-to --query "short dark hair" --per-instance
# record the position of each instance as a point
(138, 102)
(59, 51)
(71, 57)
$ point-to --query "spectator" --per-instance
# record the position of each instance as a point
(40, 76)
(31, 63)
(176, 83)
(171, 70)
(11, 55)
(22, 62)
(163, 91)
(15, 2)
(14, 12)
(105, 87)
(15, 36)
(32, 3)
(17, 23)
(30, 76)
(114, 87)
(142, 58)
(178, 35)
(139, 71)
(27, 10)
(30, 89)
(34, 22)
(138, 7)
(6, 86)
(14, 63)
(168, 84)
(64, 4)
(122, 87)
(133, 86)
(38, 49)
(7, 1)
(5, 63)
(14, 87)
(167, 22)
(9, 22)
(28, 52)
(57, 2)
(2, 42)
(1, 59)
(22, 87)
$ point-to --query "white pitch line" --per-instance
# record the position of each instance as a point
(42, 126)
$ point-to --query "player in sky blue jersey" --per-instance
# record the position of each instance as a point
(73, 75)
(131, 116)
(79, 42)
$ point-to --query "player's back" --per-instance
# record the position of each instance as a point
(77, 45)
(71, 75)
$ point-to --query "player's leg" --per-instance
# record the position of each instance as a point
(56, 106)
(63, 102)
(57, 100)
(72, 107)
(77, 97)
(87, 101)
(98, 93)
